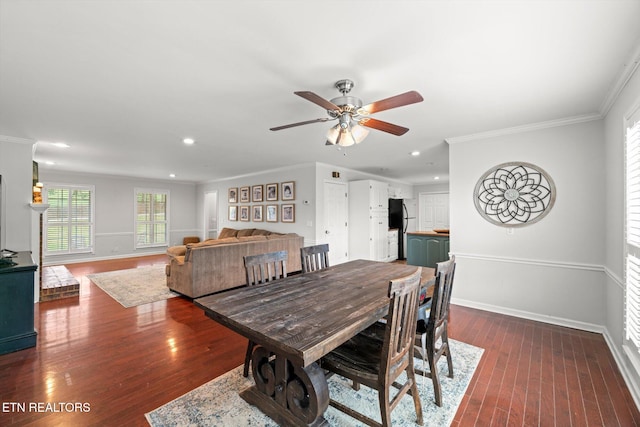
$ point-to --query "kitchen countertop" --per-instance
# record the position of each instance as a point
(428, 233)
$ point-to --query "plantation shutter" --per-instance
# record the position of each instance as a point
(152, 218)
(632, 271)
(68, 223)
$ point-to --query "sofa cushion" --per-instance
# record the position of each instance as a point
(175, 251)
(227, 232)
(213, 242)
(245, 232)
(260, 232)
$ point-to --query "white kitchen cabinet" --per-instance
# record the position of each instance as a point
(392, 244)
(368, 220)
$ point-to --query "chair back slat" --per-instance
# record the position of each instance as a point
(263, 268)
(441, 299)
(314, 257)
(401, 323)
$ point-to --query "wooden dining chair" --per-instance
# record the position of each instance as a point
(314, 257)
(378, 363)
(263, 268)
(432, 338)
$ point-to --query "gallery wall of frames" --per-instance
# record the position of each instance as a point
(260, 202)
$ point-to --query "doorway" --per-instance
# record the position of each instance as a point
(210, 215)
(336, 213)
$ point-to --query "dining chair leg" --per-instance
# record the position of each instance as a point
(247, 358)
(445, 342)
(414, 392)
(433, 368)
(423, 356)
(385, 410)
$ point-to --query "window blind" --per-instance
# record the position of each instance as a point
(152, 218)
(68, 223)
(632, 230)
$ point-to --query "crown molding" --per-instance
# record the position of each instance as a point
(629, 68)
(16, 140)
(257, 173)
(368, 175)
(525, 128)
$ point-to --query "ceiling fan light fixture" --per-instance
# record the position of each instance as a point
(353, 134)
(352, 115)
(359, 133)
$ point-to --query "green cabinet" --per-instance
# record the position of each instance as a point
(427, 249)
(16, 304)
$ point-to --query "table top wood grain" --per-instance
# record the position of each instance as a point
(303, 317)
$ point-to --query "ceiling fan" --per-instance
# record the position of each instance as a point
(352, 115)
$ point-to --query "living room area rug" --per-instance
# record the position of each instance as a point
(134, 286)
(218, 403)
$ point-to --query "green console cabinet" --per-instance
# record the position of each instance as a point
(16, 303)
(427, 248)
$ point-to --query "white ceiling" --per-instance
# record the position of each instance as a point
(124, 82)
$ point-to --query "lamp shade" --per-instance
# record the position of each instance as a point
(353, 134)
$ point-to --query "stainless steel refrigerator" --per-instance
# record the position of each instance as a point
(402, 215)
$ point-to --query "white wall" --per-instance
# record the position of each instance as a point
(114, 213)
(18, 220)
(303, 176)
(614, 223)
(309, 179)
(551, 270)
(16, 159)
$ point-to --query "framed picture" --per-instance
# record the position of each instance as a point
(288, 213)
(256, 193)
(233, 195)
(244, 194)
(288, 190)
(233, 213)
(272, 213)
(244, 213)
(257, 213)
(272, 192)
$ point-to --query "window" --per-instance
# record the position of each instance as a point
(68, 223)
(632, 230)
(152, 218)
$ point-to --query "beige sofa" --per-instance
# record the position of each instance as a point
(216, 265)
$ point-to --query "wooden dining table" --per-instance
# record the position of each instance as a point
(297, 320)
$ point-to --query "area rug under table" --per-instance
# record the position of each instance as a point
(135, 286)
(217, 403)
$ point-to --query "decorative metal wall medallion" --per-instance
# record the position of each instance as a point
(514, 194)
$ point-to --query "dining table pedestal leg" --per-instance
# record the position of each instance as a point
(289, 394)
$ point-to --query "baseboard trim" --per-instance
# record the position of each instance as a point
(629, 377)
(559, 321)
(104, 258)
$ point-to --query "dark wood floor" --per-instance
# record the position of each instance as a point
(121, 363)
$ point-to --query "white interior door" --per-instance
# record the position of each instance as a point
(336, 213)
(211, 215)
(434, 211)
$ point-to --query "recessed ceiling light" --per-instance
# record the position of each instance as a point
(49, 162)
(188, 141)
(415, 153)
(61, 144)
(172, 175)
(436, 178)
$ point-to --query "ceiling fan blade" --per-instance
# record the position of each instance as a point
(324, 119)
(383, 126)
(318, 100)
(406, 98)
